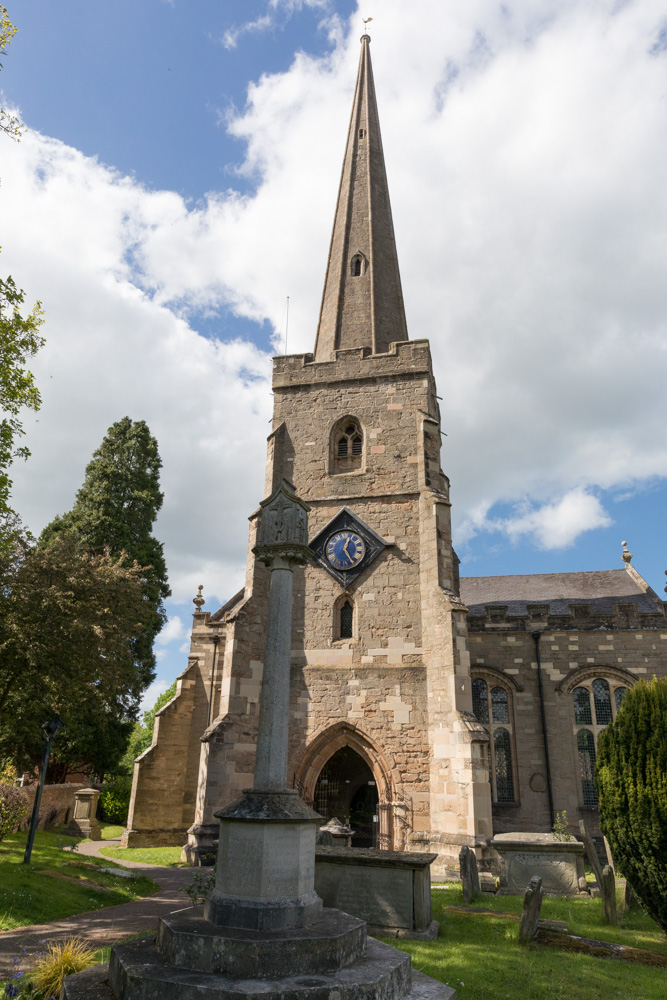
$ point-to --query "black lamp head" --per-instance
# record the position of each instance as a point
(52, 726)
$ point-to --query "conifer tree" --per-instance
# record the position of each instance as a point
(631, 779)
(115, 509)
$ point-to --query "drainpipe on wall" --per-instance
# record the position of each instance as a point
(536, 640)
(215, 641)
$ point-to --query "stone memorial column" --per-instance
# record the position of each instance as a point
(266, 856)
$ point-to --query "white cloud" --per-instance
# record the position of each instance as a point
(268, 20)
(557, 525)
(173, 630)
(151, 695)
(525, 148)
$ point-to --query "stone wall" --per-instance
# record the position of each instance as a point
(569, 657)
(56, 807)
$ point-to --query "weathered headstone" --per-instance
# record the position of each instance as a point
(83, 822)
(469, 876)
(593, 859)
(340, 835)
(609, 895)
(628, 897)
(559, 863)
(532, 904)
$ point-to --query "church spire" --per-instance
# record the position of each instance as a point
(362, 302)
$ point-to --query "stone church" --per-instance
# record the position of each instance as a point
(429, 711)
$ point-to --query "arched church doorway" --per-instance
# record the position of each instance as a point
(346, 789)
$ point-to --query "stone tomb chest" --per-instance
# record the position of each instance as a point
(390, 890)
(559, 863)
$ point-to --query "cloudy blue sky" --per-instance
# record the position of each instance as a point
(177, 183)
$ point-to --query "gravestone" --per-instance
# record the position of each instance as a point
(559, 863)
(609, 895)
(469, 875)
(83, 822)
(532, 904)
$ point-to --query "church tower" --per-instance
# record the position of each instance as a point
(381, 724)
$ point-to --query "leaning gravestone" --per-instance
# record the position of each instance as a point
(532, 904)
(469, 876)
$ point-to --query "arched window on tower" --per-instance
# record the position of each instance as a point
(346, 620)
(491, 706)
(347, 446)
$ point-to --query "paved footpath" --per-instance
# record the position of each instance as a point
(100, 927)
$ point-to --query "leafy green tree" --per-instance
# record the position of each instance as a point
(19, 340)
(68, 621)
(8, 123)
(141, 736)
(115, 510)
(631, 779)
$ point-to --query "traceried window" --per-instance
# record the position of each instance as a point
(596, 703)
(491, 706)
(348, 446)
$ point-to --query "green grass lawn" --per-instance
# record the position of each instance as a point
(479, 955)
(110, 831)
(168, 856)
(57, 883)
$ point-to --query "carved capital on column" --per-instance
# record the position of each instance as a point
(282, 536)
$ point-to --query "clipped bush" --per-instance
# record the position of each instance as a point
(631, 780)
(115, 800)
(59, 961)
(13, 808)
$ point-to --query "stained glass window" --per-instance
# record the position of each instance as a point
(480, 703)
(602, 700)
(619, 695)
(503, 766)
(499, 705)
(493, 706)
(586, 748)
(582, 707)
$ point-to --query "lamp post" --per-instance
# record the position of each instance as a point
(50, 729)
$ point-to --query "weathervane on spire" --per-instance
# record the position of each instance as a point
(366, 20)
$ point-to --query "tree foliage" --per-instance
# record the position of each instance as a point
(19, 340)
(141, 736)
(13, 808)
(68, 621)
(115, 510)
(631, 778)
(9, 124)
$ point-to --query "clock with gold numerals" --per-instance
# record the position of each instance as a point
(347, 546)
(344, 550)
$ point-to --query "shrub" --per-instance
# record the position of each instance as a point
(115, 800)
(59, 961)
(13, 808)
(631, 779)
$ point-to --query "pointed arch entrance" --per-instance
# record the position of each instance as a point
(344, 769)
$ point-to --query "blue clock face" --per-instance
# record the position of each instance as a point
(345, 549)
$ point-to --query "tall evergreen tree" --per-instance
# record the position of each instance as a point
(115, 509)
(631, 779)
(68, 620)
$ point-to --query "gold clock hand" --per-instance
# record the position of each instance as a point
(347, 542)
